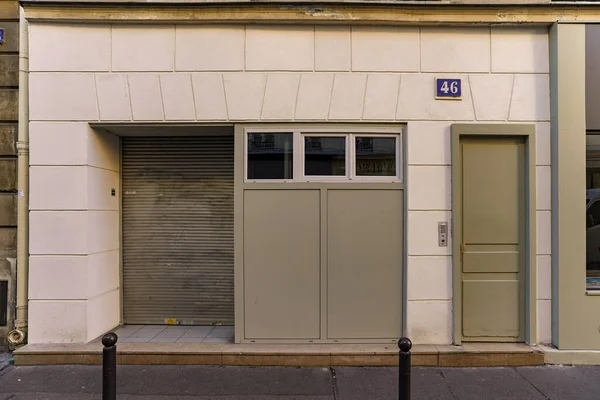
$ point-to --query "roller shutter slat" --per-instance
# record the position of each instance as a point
(178, 229)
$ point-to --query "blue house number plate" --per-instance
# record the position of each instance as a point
(1, 36)
(448, 89)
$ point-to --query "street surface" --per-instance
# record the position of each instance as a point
(275, 383)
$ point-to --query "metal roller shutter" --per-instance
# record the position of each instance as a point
(178, 229)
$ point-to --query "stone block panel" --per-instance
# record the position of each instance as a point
(8, 175)
(177, 97)
(380, 48)
(280, 96)
(436, 194)
(58, 232)
(58, 188)
(209, 48)
(428, 143)
(11, 37)
(6, 266)
(58, 278)
(542, 132)
(146, 99)
(455, 49)
(62, 96)
(8, 239)
(113, 97)
(314, 96)
(8, 139)
(520, 50)
(57, 321)
(347, 99)
(544, 321)
(209, 96)
(544, 224)
(491, 96)
(8, 209)
(430, 322)
(543, 186)
(67, 47)
(332, 48)
(9, 70)
(430, 278)
(143, 48)
(103, 314)
(55, 143)
(244, 93)
(9, 104)
(280, 47)
(381, 96)
(530, 98)
(422, 233)
(544, 277)
(100, 183)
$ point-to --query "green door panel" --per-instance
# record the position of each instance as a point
(491, 308)
(493, 238)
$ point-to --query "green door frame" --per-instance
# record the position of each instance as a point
(480, 130)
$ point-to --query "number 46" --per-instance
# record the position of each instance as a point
(452, 88)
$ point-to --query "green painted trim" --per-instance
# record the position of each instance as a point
(324, 267)
(238, 233)
(527, 131)
(405, 187)
(573, 311)
(121, 298)
(322, 185)
(553, 50)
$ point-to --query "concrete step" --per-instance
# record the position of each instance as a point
(298, 355)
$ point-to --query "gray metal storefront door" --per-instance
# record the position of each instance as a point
(177, 230)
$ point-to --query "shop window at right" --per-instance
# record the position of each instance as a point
(593, 211)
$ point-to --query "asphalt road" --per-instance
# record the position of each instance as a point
(274, 383)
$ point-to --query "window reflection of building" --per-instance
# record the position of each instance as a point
(375, 156)
(270, 155)
(325, 156)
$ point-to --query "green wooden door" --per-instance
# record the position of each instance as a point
(493, 238)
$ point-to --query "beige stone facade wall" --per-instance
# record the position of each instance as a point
(233, 73)
(9, 82)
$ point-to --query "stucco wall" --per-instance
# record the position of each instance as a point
(235, 73)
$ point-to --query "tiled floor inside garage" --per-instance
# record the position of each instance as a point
(175, 334)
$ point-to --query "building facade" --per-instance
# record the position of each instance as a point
(340, 174)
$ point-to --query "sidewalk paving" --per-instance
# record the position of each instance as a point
(277, 383)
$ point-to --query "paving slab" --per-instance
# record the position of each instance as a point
(490, 384)
(54, 396)
(68, 382)
(168, 380)
(5, 362)
(560, 382)
(382, 384)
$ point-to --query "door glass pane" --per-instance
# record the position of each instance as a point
(375, 156)
(593, 211)
(270, 156)
(324, 156)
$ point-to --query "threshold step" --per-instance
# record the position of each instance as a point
(296, 355)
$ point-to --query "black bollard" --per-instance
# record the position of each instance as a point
(404, 344)
(109, 366)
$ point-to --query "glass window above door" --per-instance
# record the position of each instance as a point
(270, 156)
(324, 155)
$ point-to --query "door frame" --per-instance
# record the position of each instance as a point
(526, 131)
